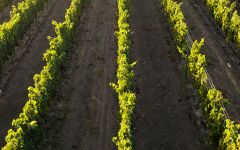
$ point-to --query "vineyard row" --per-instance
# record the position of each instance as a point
(223, 132)
(124, 85)
(27, 128)
(12, 31)
(226, 15)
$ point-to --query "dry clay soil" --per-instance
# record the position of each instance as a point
(83, 114)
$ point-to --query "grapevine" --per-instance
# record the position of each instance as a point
(224, 133)
(27, 128)
(124, 85)
(12, 31)
(226, 15)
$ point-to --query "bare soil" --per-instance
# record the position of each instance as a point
(164, 114)
(223, 63)
(83, 113)
(5, 13)
(26, 62)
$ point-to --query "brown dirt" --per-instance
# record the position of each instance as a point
(25, 65)
(218, 53)
(5, 13)
(83, 114)
(163, 111)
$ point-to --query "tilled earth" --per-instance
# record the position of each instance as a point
(163, 112)
(223, 64)
(84, 113)
(27, 61)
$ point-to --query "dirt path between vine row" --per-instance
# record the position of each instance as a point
(22, 69)
(163, 112)
(83, 115)
(223, 64)
(5, 13)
